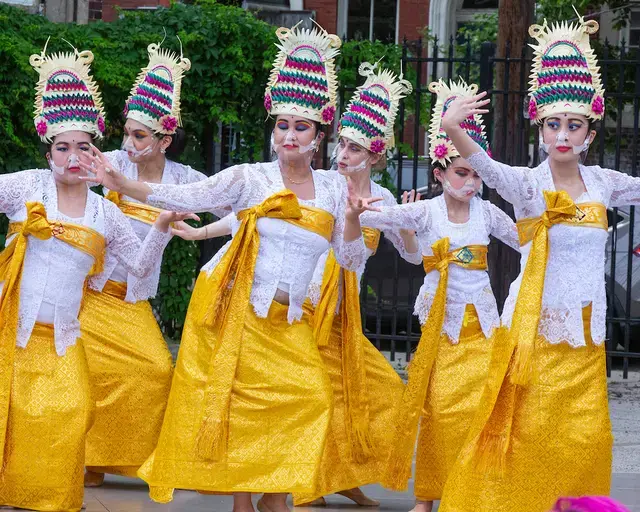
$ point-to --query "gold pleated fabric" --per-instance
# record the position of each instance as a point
(131, 369)
(339, 471)
(560, 435)
(279, 409)
(457, 380)
(50, 413)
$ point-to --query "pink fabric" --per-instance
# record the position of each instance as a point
(589, 504)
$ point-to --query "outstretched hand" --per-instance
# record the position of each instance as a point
(186, 231)
(165, 219)
(463, 107)
(356, 204)
(99, 170)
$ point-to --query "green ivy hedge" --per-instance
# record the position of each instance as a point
(231, 54)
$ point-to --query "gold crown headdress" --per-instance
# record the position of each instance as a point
(67, 97)
(371, 113)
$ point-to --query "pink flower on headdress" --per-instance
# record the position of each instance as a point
(101, 125)
(377, 146)
(41, 126)
(597, 105)
(533, 109)
(441, 150)
(125, 110)
(168, 123)
(328, 113)
(267, 102)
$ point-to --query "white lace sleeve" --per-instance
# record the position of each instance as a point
(414, 216)
(218, 191)
(15, 189)
(138, 258)
(625, 189)
(193, 176)
(393, 235)
(501, 225)
(514, 184)
(349, 255)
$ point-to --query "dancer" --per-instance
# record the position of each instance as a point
(545, 407)
(128, 358)
(58, 233)
(250, 402)
(365, 386)
(455, 305)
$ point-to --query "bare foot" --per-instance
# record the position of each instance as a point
(93, 479)
(242, 502)
(359, 498)
(423, 506)
(276, 502)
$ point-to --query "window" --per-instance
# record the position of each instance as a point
(633, 39)
(370, 19)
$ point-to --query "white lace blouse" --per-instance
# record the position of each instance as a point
(430, 220)
(140, 289)
(288, 254)
(575, 268)
(54, 272)
(315, 286)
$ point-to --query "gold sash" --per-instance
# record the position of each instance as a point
(138, 211)
(524, 327)
(472, 257)
(228, 307)
(353, 363)
(512, 358)
(116, 289)
(11, 265)
(316, 220)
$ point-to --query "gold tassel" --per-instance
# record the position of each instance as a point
(491, 453)
(211, 441)
(361, 444)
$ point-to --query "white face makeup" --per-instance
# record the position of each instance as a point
(469, 188)
(127, 145)
(341, 156)
(562, 139)
(66, 151)
(289, 139)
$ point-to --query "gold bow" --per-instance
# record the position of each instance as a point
(353, 354)
(473, 257)
(524, 327)
(227, 311)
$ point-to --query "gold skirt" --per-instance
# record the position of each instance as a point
(561, 442)
(278, 418)
(457, 379)
(50, 413)
(130, 371)
(338, 471)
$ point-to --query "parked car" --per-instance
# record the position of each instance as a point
(622, 281)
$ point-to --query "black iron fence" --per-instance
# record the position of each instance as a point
(390, 285)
